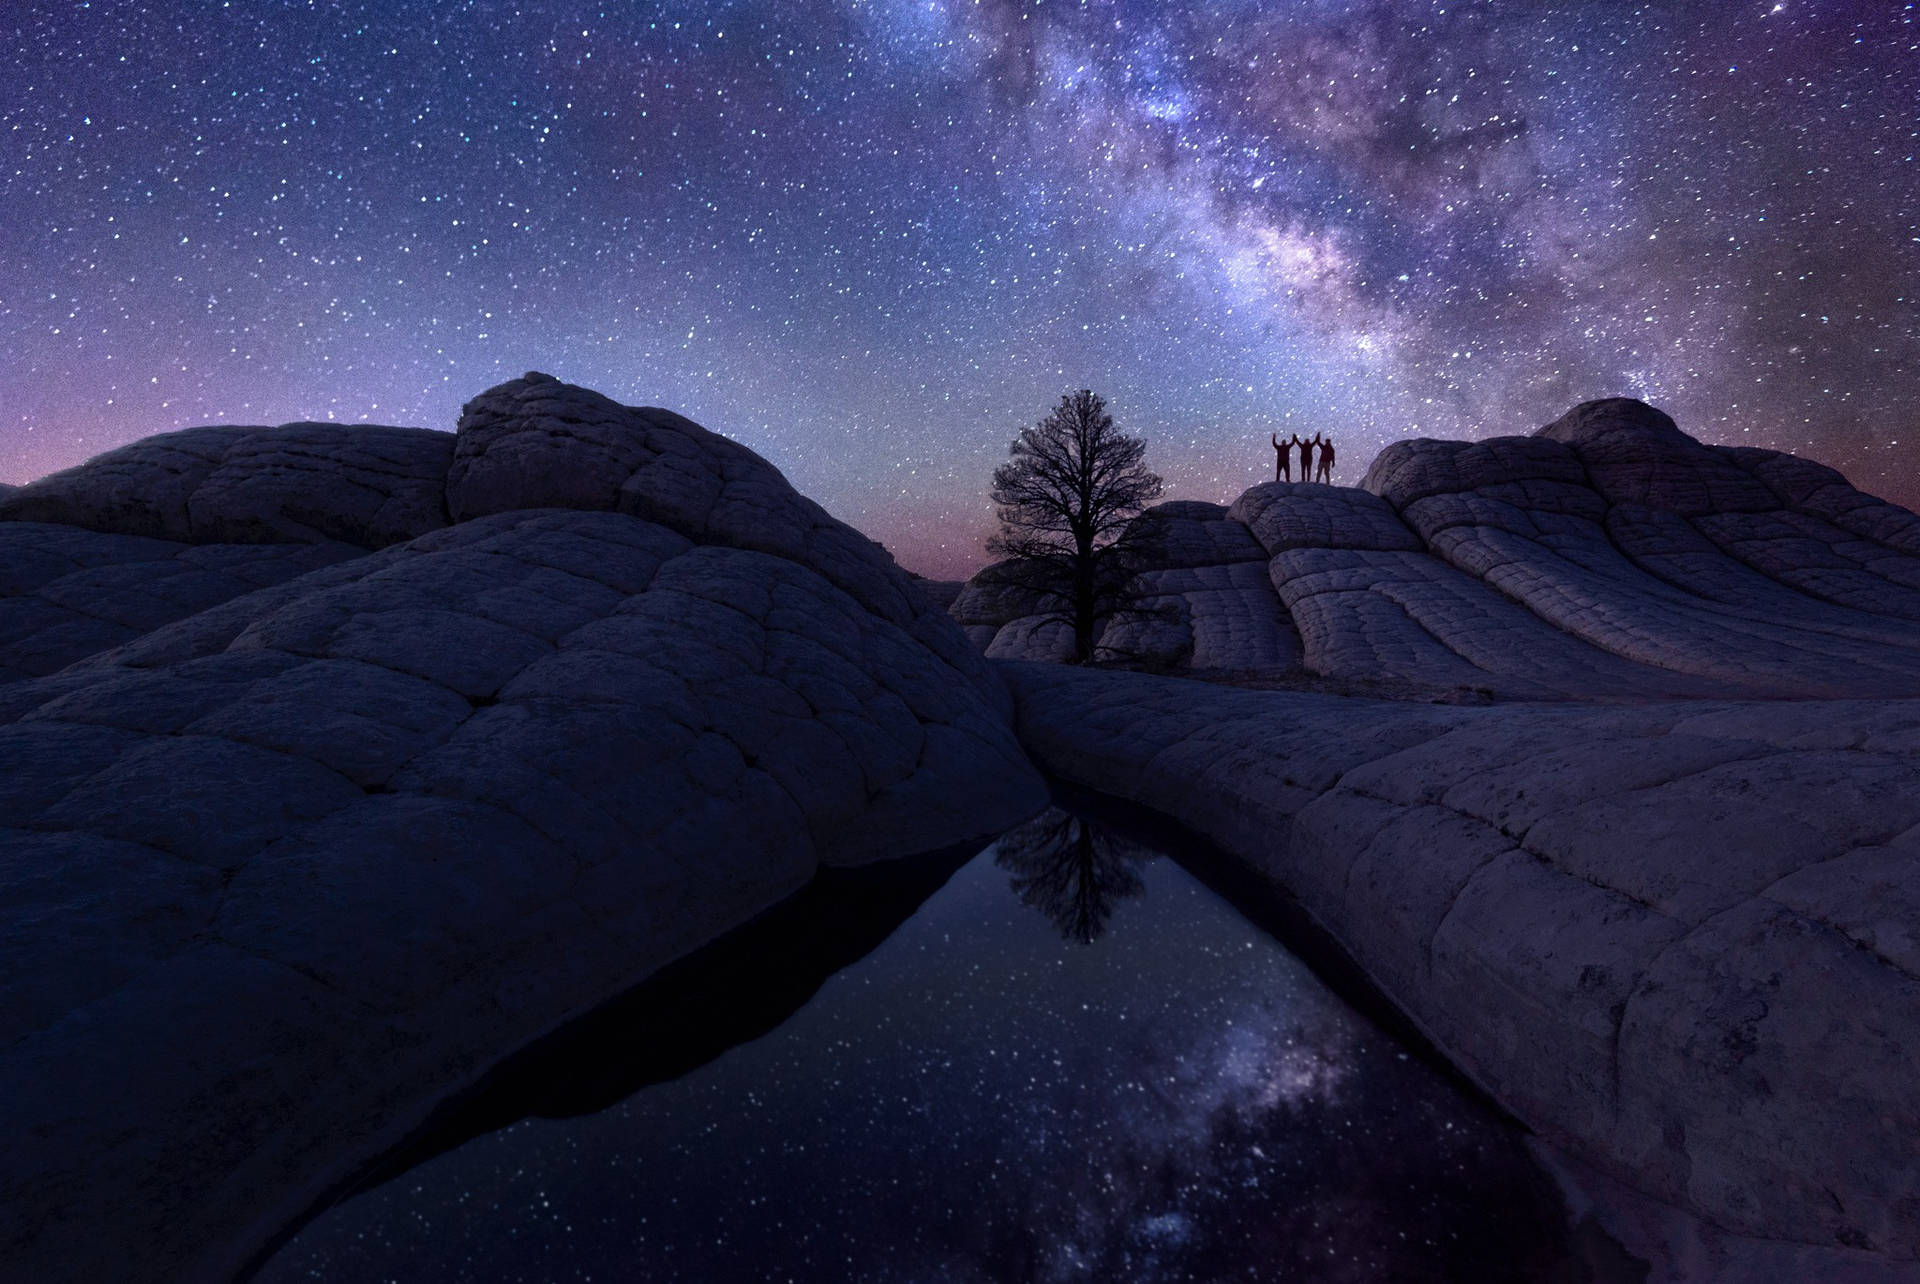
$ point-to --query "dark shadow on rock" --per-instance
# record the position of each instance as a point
(726, 993)
(1073, 869)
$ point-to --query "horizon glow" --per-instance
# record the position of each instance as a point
(872, 239)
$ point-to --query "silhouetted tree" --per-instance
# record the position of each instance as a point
(1071, 870)
(1064, 499)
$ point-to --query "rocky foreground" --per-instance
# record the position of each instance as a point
(1679, 940)
(1672, 926)
(338, 764)
(346, 762)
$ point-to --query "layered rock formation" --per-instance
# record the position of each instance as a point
(1676, 939)
(173, 524)
(337, 764)
(1607, 555)
(340, 763)
(1670, 928)
(1205, 598)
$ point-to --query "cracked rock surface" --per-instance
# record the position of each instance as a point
(1677, 938)
(360, 484)
(67, 593)
(1668, 924)
(1606, 556)
(298, 838)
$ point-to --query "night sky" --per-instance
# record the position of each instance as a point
(873, 238)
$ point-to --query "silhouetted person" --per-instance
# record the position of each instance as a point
(1306, 458)
(1282, 460)
(1326, 461)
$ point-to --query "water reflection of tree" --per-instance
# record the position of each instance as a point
(1073, 870)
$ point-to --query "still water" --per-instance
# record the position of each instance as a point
(1072, 1062)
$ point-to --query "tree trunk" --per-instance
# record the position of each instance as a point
(1083, 603)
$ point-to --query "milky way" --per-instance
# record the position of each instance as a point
(871, 240)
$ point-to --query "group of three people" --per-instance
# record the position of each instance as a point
(1283, 452)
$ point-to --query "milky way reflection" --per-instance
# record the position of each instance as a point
(987, 1096)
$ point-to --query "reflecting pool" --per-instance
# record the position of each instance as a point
(1072, 1062)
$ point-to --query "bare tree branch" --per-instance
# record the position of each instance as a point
(1064, 499)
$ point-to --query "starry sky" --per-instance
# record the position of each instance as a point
(874, 238)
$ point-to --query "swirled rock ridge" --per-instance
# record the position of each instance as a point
(1675, 938)
(1607, 555)
(284, 863)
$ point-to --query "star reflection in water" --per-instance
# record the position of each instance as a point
(1133, 1083)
